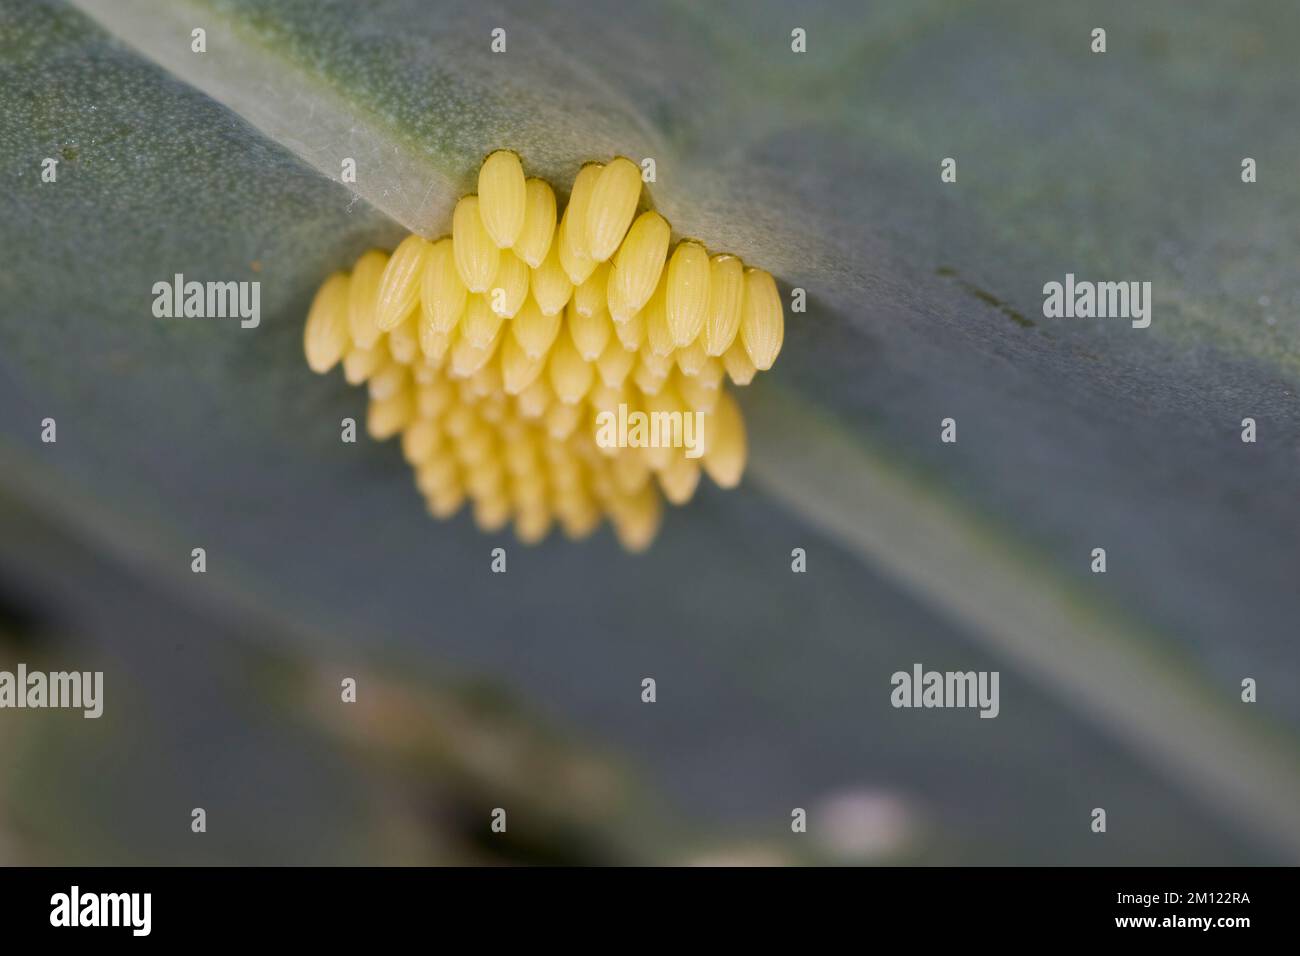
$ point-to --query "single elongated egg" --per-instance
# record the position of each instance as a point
(477, 256)
(762, 320)
(539, 223)
(399, 286)
(610, 209)
(326, 337)
(442, 291)
(638, 265)
(503, 197)
(362, 293)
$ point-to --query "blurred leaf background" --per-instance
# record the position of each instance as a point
(522, 690)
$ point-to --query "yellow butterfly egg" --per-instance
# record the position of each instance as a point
(503, 197)
(465, 388)
(564, 484)
(437, 472)
(589, 297)
(521, 459)
(434, 345)
(697, 395)
(388, 379)
(615, 303)
(576, 266)
(480, 324)
(638, 264)
(571, 375)
(665, 406)
(539, 223)
(762, 321)
(399, 286)
(725, 446)
(599, 489)
(491, 514)
(477, 256)
(738, 364)
(467, 358)
(613, 203)
(386, 417)
(636, 521)
(359, 363)
(459, 421)
(326, 337)
(362, 293)
(647, 379)
(661, 365)
(541, 500)
(583, 444)
(615, 363)
(442, 291)
(528, 482)
(509, 286)
(604, 398)
(493, 407)
(446, 501)
(577, 235)
(420, 440)
(536, 398)
(629, 470)
(658, 335)
(534, 329)
(484, 475)
(711, 373)
(533, 519)
(726, 293)
(551, 286)
(562, 418)
(488, 386)
(687, 292)
(590, 333)
(404, 341)
(580, 518)
(513, 429)
(680, 479)
(692, 358)
(434, 399)
(533, 524)
(518, 368)
(631, 332)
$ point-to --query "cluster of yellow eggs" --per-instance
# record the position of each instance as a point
(494, 352)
